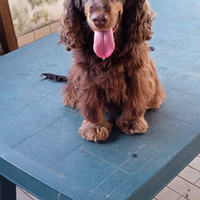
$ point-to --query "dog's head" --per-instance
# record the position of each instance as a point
(103, 18)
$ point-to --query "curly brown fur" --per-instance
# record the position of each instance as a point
(126, 80)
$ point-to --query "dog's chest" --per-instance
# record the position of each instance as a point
(112, 82)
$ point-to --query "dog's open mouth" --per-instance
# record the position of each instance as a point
(104, 43)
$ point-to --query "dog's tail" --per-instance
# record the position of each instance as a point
(55, 77)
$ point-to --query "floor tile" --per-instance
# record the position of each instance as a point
(167, 194)
(22, 195)
(198, 183)
(195, 163)
(190, 174)
(182, 198)
(185, 188)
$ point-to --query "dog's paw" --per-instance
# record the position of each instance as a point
(93, 132)
(138, 125)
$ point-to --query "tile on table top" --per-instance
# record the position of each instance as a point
(51, 147)
(175, 102)
(167, 71)
(195, 163)
(4, 112)
(14, 130)
(131, 185)
(68, 127)
(191, 43)
(159, 49)
(115, 150)
(140, 159)
(167, 36)
(27, 74)
(166, 136)
(185, 25)
(156, 122)
(162, 21)
(76, 191)
(190, 113)
(195, 66)
(111, 183)
(164, 7)
(167, 194)
(197, 32)
(84, 168)
(42, 113)
(57, 96)
(186, 81)
(182, 3)
(13, 97)
(184, 188)
(193, 11)
(32, 50)
(190, 174)
(178, 57)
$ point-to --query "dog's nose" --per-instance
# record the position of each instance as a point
(99, 20)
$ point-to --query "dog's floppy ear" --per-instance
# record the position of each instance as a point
(137, 20)
(70, 25)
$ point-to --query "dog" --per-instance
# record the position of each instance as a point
(112, 70)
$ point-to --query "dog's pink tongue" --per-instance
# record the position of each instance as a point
(104, 44)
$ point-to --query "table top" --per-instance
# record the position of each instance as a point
(41, 150)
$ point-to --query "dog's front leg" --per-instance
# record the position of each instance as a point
(131, 123)
(95, 127)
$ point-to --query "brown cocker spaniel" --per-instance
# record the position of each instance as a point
(112, 69)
